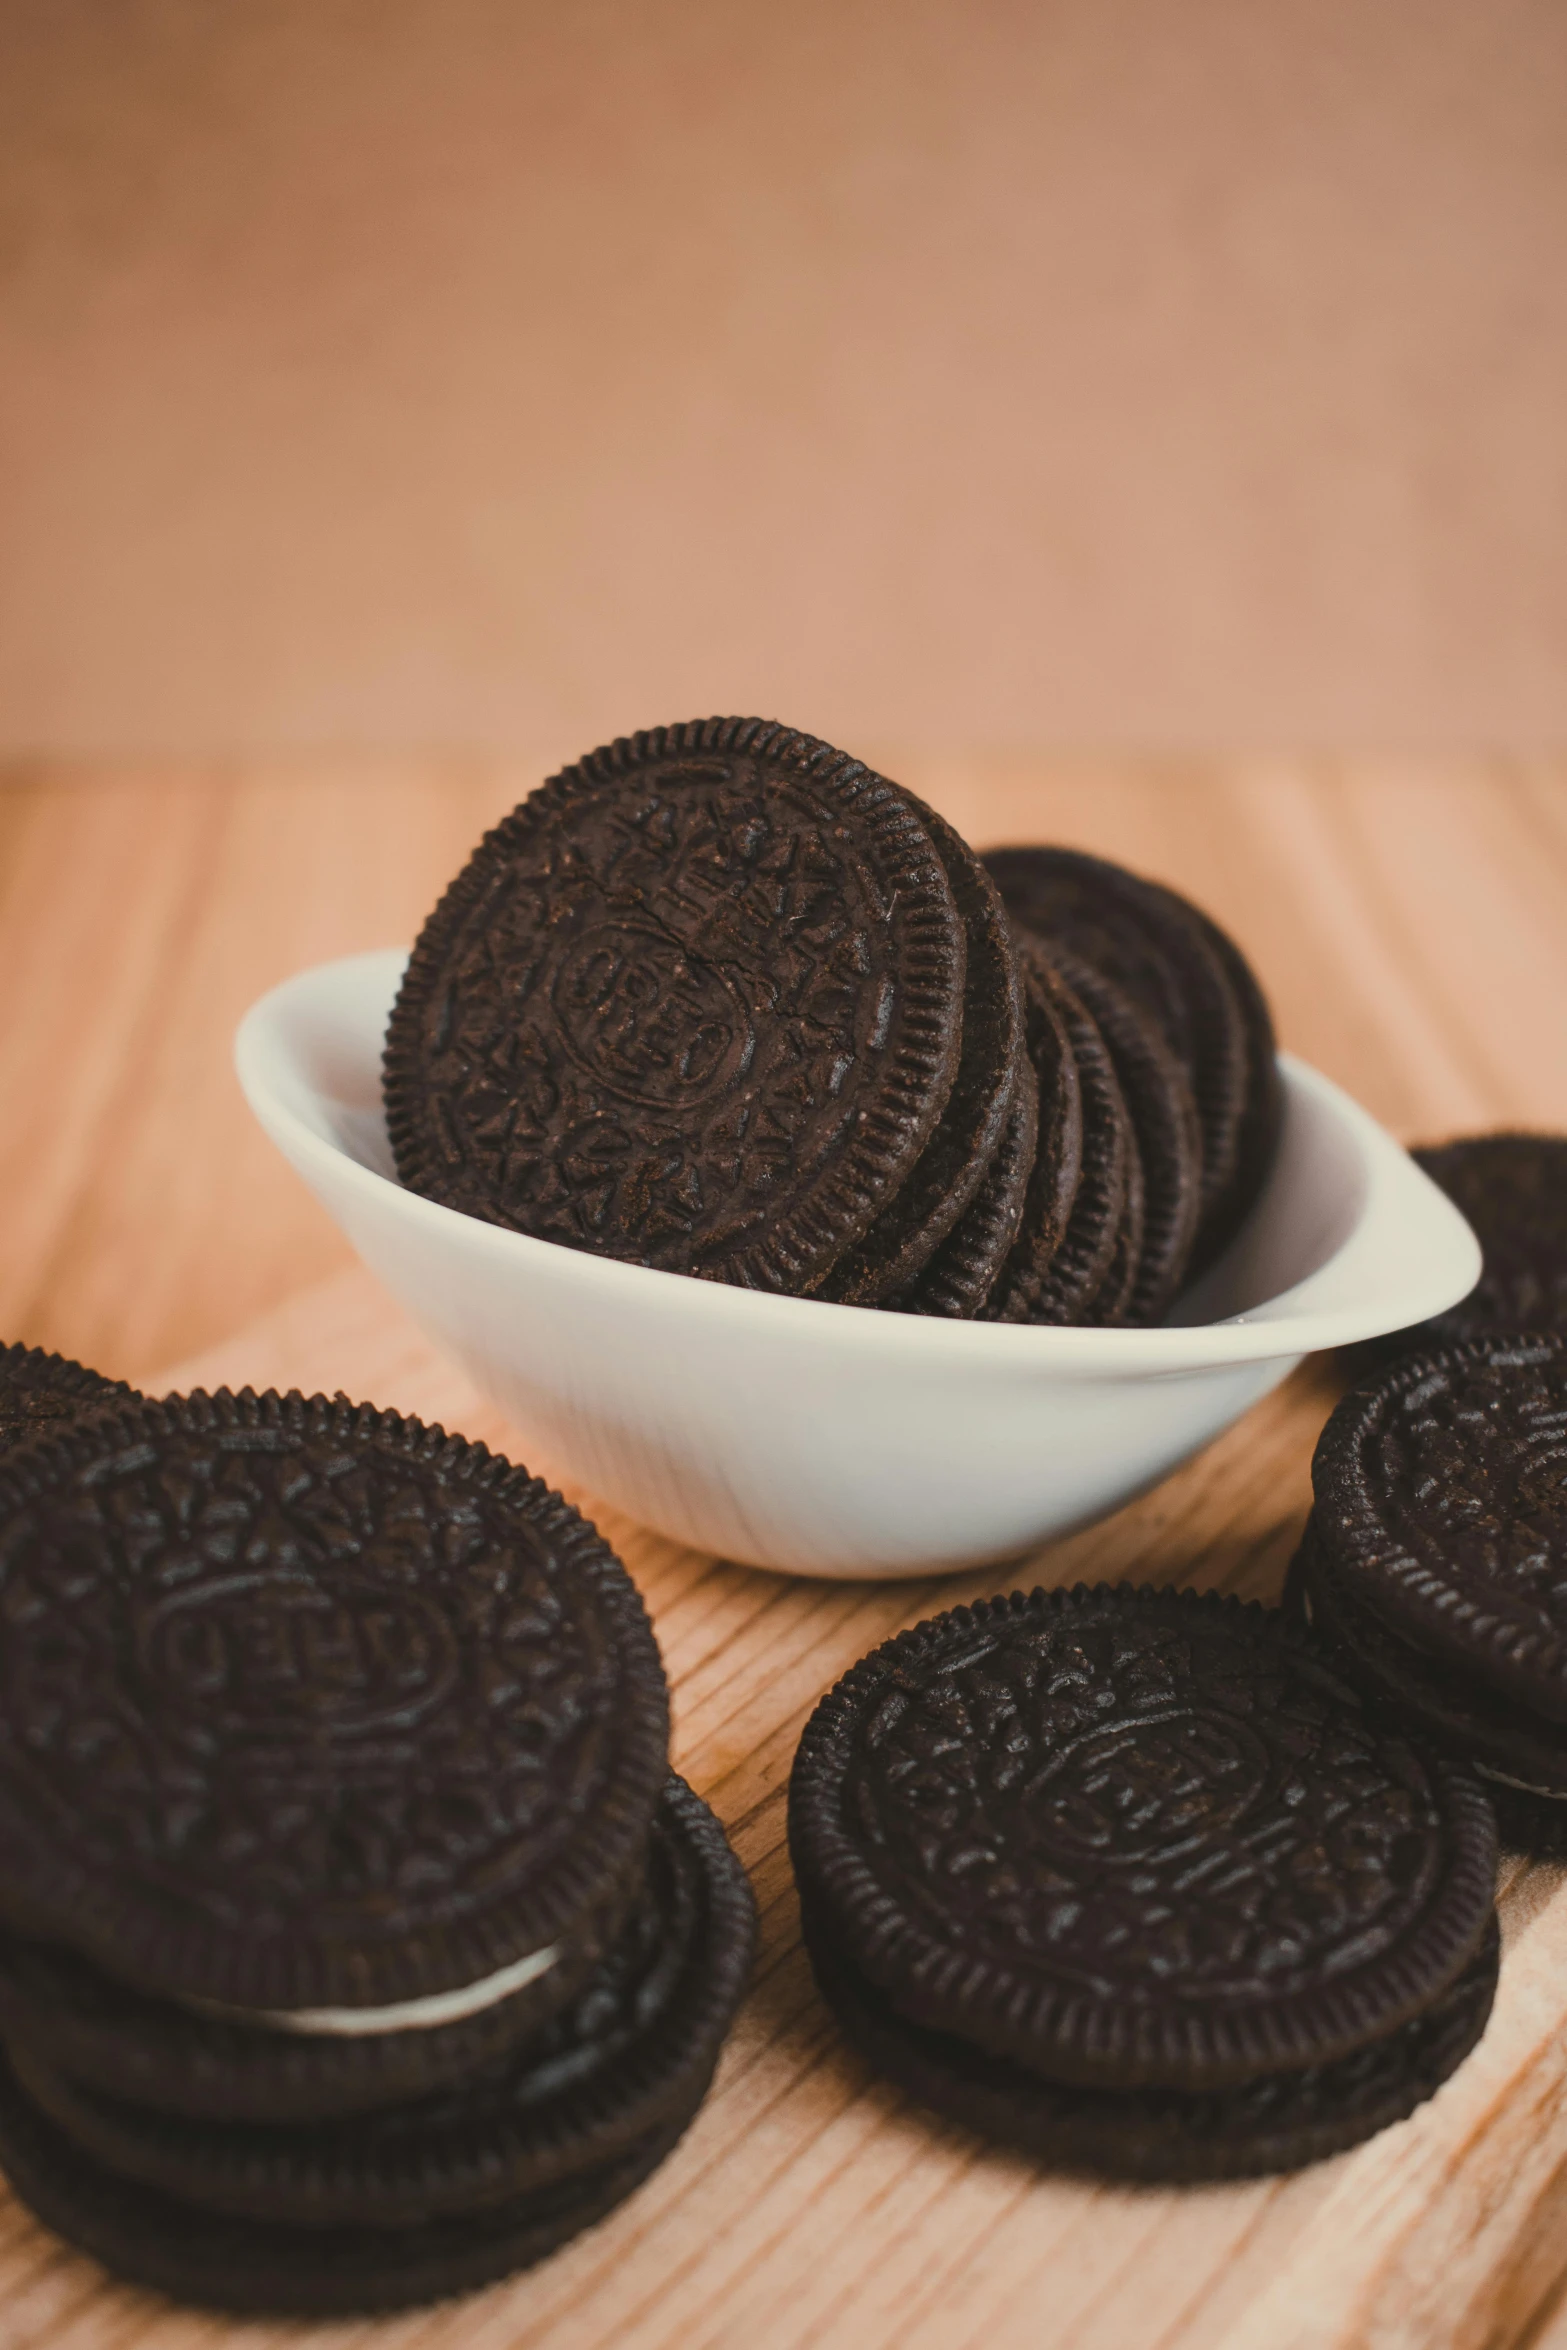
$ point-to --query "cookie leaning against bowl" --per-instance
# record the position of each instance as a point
(1077, 1829)
(1513, 1190)
(1162, 950)
(319, 1717)
(1163, 1117)
(1011, 1271)
(1073, 1279)
(697, 1003)
(1441, 1505)
(975, 1124)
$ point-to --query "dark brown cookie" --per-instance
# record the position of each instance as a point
(1441, 1501)
(252, 2269)
(1075, 1276)
(1163, 952)
(1135, 1839)
(1500, 1740)
(1513, 1190)
(39, 1392)
(697, 1003)
(635, 2048)
(1055, 1170)
(1166, 1136)
(1279, 2122)
(309, 1707)
(961, 1274)
(953, 1168)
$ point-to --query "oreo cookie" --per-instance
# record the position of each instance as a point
(1073, 1279)
(633, 2051)
(956, 1161)
(1096, 1852)
(1191, 982)
(358, 1945)
(314, 1710)
(41, 1393)
(697, 1003)
(1166, 1142)
(1512, 1188)
(1055, 1173)
(1505, 1745)
(1441, 1505)
(1170, 2137)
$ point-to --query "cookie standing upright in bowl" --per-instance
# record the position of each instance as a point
(698, 1003)
(334, 1780)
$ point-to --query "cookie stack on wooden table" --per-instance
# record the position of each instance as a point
(358, 1943)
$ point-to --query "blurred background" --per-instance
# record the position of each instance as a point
(388, 374)
(1136, 424)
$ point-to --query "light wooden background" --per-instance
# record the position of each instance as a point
(1410, 923)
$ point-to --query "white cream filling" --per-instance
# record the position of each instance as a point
(406, 2015)
(1524, 1786)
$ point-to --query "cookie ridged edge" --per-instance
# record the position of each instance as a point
(80, 1910)
(1054, 2028)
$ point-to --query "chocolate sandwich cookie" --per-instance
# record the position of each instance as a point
(1075, 1276)
(40, 1392)
(250, 2268)
(1513, 1190)
(634, 2050)
(1135, 1839)
(316, 1719)
(956, 1280)
(697, 1003)
(1017, 1273)
(1162, 952)
(1278, 2122)
(1500, 1740)
(1441, 1507)
(955, 1162)
(1166, 1138)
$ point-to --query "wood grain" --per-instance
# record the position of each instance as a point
(1412, 928)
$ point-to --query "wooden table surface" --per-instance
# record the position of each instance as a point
(1410, 923)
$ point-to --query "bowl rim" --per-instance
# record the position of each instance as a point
(265, 1063)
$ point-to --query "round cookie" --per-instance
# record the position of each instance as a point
(1056, 1168)
(956, 1161)
(251, 2269)
(1441, 1500)
(1151, 943)
(1262, 1106)
(1167, 1140)
(634, 2050)
(315, 1713)
(187, 2060)
(697, 1003)
(1499, 1740)
(41, 1393)
(1169, 2136)
(1077, 1271)
(1513, 1190)
(1134, 1838)
(961, 1274)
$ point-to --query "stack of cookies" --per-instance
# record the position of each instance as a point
(1133, 1880)
(720, 1000)
(1434, 1563)
(357, 1944)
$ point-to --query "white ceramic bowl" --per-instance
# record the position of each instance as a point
(823, 1438)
